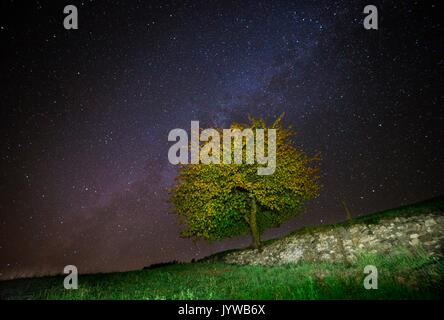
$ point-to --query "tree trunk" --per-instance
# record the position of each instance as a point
(255, 236)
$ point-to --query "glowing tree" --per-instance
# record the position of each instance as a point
(217, 201)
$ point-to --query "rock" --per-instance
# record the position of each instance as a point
(429, 222)
(345, 242)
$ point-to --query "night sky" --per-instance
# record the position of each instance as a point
(86, 114)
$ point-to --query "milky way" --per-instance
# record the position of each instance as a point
(86, 115)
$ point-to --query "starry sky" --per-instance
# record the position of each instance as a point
(86, 114)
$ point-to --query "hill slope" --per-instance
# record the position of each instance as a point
(404, 273)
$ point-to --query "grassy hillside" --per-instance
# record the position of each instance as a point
(402, 275)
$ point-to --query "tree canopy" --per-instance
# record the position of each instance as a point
(216, 201)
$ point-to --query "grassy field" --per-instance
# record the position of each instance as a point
(401, 276)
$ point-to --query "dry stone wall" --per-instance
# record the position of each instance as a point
(344, 243)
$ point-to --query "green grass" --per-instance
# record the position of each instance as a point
(402, 275)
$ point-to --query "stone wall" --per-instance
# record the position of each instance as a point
(342, 243)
